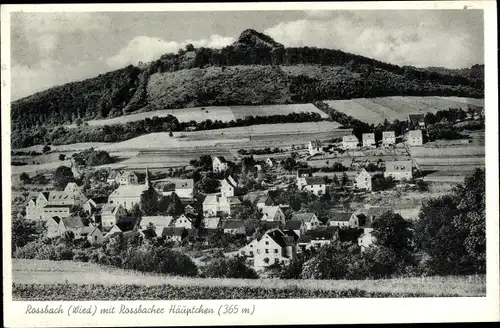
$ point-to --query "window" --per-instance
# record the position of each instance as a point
(258, 251)
(95, 238)
(251, 253)
(276, 251)
(242, 252)
(251, 245)
(267, 243)
(267, 251)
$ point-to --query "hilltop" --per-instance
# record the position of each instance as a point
(253, 70)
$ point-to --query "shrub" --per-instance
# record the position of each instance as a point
(234, 267)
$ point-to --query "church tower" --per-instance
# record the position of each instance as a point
(147, 182)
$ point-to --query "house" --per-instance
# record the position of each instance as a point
(368, 139)
(265, 200)
(417, 120)
(340, 219)
(317, 238)
(111, 214)
(95, 205)
(350, 142)
(158, 222)
(33, 212)
(234, 227)
(219, 164)
(398, 170)
(302, 174)
(53, 227)
(182, 187)
(258, 167)
(229, 204)
(121, 227)
(129, 194)
(315, 147)
(275, 247)
(71, 223)
(183, 222)
(174, 234)
(388, 138)
(113, 177)
(229, 187)
(298, 226)
(315, 185)
(273, 213)
(366, 239)
(92, 234)
(211, 205)
(414, 138)
(188, 209)
(310, 220)
(357, 220)
(61, 211)
(211, 223)
(128, 178)
(270, 162)
(364, 180)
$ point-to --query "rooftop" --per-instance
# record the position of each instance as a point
(398, 166)
(126, 191)
(171, 231)
(350, 138)
(232, 224)
(315, 180)
(340, 216)
(72, 222)
(305, 217)
(293, 224)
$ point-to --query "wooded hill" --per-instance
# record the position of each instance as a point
(253, 70)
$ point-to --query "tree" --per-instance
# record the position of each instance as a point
(149, 201)
(24, 177)
(175, 207)
(189, 47)
(234, 267)
(207, 185)
(170, 134)
(345, 180)
(62, 157)
(46, 149)
(24, 231)
(379, 182)
(78, 122)
(62, 176)
(331, 262)
(391, 230)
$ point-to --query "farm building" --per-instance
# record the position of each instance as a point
(368, 139)
(275, 247)
(234, 227)
(273, 213)
(127, 195)
(364, 180)
(211, 223)
(310, 220)
(182, 188)
(174, 234)
(315, 185)
(111, 214)
(298, 226)
(414, 138)
(315, 147)
(219, 164)
(350, 142)
(92, 234)
(417, 120)
(388, 138)
(398, 170)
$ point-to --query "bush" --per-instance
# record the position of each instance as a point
(234, 267)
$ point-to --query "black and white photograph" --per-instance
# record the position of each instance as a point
(171, 155)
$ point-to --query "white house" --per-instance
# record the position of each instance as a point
(388, 138)
(273, 213)
(298, 226)
(61, 211)
(364, 180)
(302, 174)
(229, 204)
(368, 139)
(366, 239)
(398, 170)
(92, 234)
(414, 138)
(219, 164)
(340, 219)
(315, 185)
(417, 119)
(275, 247)
(228, 187)
(128, 178)
(183, 222)
(350, 142)
(315, 147)
(270, 162)
(129, 194)
(111, 214)
(211, 205)
(310, 220)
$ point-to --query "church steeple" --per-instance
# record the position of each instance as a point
(147, 177)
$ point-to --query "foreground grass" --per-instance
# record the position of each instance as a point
(51, 273)
(70, 292)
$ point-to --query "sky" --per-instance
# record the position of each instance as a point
(49, 49)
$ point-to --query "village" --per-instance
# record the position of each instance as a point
(281, 232)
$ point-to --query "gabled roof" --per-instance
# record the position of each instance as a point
(281, 238)
(61, 195)
(314, 180)
(44, 194)
(72, 222)
(221, 159)
(322, 233)
(157, 221)
(268, 225)
(109, 208)
(315, 143)
(88, 230)
(125, 225)
(416, 117)
(398, 166)
(304, 171)
(55, 218)
(340, 216)
(233, 200)
(232, 224)
(350, 138)
(388, 134)
(304, 217)
(293, 224)
(365, 172)
(270, 211)
(171, 231)
(211, 199)
(129, 191)
(212, 222)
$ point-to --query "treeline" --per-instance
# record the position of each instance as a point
(121, 132)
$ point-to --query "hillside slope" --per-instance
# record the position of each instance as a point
(254, 70)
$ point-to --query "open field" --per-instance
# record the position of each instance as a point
(51, 273)
(376, 110)
(65, 148)
(221, 113)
